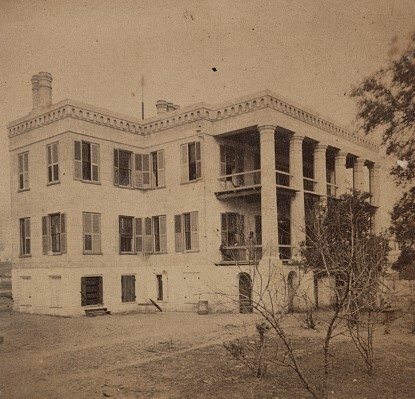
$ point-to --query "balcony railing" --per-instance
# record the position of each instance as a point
(235, 254)
(243, 255)
(309, 184)
(241, 180)
(283, 178)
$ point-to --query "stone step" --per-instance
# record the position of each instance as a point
(97, 312)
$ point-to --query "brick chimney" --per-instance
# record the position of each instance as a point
(35, 91)
(45, 89)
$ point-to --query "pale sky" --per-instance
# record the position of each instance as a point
(309, 51)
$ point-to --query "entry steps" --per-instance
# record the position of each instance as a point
(96, 312)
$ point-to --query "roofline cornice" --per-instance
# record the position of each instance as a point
(200, 111)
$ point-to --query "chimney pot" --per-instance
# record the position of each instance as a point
(170, 107)
(161, 106)
(45, 89)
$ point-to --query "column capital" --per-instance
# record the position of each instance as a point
(266, 128)
(296, 137)
(360, 161)
(341, 154)
(320, 148)
(375, 166)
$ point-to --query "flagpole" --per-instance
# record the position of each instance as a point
(142, 96)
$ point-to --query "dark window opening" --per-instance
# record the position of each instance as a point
(91, 291)
(160, 294)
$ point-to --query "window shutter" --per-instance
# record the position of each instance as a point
(63, 233)
(148, 236)
(116, 180)
(95, 162)
(163, 234)
(45, 235)
(198, 160)
(139, 235)
(146, 171)
(96, 232)
(222, 160)
(161, 168)
(184, 162)
(178, 234)
(123, 288)
(83, 291)
(224, 228)
(77, 160)
(240, 229)
(138, 171)
(194, 226)
(26, 170)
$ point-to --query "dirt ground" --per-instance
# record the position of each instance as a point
(175, 355)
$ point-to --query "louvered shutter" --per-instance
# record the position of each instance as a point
(87, 232)
(161, 169)
(45, 235)
(194, 226)
(96, 232)
(163, 234)
(222, 160)
(138, 171)
(148, 236)
(95, 162)
(146, 171)
(77, 160)
(63, 232)
(138, 234)
(184, 150)
(116, 174)
(198, 160)
(178, 233)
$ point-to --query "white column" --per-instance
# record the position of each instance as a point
(340, 172)
(297, 203)
(320, 172)
(268, 192)
(358, 174)
(374, 180)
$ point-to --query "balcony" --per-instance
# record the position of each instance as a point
(240, 184)
(331, 190)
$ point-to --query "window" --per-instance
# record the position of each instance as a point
(54, 233)
(126, 234)
(24, 171)
(91, 291)
(191, 161)
(186, 229)
(92, 232)
(86, 157)
(25, 236)
(160, 293)
(127, 288)
(232, 229)
(233, 237)
(123, 168)
(232, 162)
(53, 166)
(157, 169)
(146, 235)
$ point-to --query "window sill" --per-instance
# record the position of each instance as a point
(191, 251)
(52, 183)
(125, 187)
(157, 253)
(97, 183)
(127, 253)
(92, 253)
(25, 255)
(55, 253)
(21, 190)
(191, 181)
